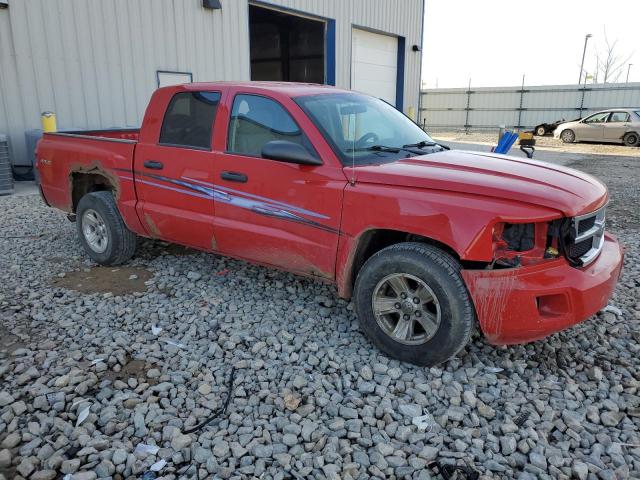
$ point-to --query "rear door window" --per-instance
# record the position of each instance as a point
(618, 117)
(188, 121)
(257, 120)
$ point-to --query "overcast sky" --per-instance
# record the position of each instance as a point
(495, 42)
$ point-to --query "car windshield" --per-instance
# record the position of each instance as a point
(364, 129)
(638, 113)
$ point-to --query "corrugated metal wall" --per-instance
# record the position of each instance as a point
(94, 62)
(478, 108)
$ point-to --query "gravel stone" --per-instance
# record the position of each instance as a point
(410, 410)
(311, 395)
(71, 466)
(5, 458)
(5, 398)
(508, 445)
(580, 470)
(12, 440)
(180, 441)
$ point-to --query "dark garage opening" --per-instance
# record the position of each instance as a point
(286, 47)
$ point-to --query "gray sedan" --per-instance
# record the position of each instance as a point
(620, 125)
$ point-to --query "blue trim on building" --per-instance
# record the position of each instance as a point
(400, 74)
(330, 52)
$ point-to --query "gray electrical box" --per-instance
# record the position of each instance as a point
(6, 176)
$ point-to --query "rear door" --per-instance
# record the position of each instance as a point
(592, 128)
(271, 212)
(174, 170)
(616, 126)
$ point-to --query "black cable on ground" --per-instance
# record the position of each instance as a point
(220, 411)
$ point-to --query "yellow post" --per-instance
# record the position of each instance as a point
(48, 120)
(412, 114)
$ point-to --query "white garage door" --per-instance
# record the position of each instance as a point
(374, 64)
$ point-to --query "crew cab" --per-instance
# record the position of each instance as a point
(336, 185)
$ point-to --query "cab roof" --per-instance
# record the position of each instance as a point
(290, 89)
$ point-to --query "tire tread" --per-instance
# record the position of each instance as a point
(450, 266)
(125, 241)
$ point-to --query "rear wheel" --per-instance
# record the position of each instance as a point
(102, 231)
(631, 139)
(568, 136)
(541, 131)
(413, 305)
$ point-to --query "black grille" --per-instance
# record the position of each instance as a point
(586, 223)
(579, 249)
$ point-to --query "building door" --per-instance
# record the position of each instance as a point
(286, 47)
(374, 65)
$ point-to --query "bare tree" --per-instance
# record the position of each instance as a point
(609, 63)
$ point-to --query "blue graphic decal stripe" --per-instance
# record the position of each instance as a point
(258, 197)
(255, 203)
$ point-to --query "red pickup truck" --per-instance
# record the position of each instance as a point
(340, 186)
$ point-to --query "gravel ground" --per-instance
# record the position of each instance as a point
(88, 376)
(543, 143)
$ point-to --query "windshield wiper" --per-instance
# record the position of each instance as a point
(421, 144)
(384, 148)
(424, 143)
(375, 148)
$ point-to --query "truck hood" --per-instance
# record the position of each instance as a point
(492, 175)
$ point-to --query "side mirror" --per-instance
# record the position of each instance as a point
(289, 152)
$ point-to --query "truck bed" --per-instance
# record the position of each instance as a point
(65, 158)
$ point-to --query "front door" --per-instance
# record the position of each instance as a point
(271, 212)
(616, 126)
(172, 172)
(592, 128)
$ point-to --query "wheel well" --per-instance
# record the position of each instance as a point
(373, 241)
(83, 183)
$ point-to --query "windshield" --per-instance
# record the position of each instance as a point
(364, 129)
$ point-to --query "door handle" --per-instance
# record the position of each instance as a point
(153, 165)
(234, 177)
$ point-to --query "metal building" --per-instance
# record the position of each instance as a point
(96, 62)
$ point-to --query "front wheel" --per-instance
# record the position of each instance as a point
(413, 305)
(541, 131)
(568, 136)
(102, 231)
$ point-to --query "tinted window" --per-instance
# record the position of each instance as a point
(258, 120)
(597, 118)
(619, 117)
(189, 119)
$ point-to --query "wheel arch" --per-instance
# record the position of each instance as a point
(87, 182)
(371, 241)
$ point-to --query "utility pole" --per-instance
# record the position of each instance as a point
(628, 70)
(584, 52)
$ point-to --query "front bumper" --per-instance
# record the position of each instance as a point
(523, 304)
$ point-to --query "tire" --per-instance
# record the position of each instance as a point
(451, 315)
(102, 231)
(541, 131)
(568, 136)
(631, 139)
